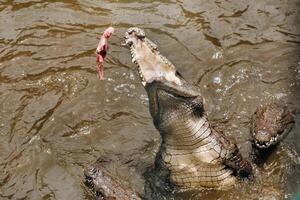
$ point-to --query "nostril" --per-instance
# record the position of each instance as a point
(140, 35)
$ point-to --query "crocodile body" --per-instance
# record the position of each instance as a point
(196, 155)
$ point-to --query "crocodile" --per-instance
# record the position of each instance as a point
(104, 186)
(270, 124)
(195, 154)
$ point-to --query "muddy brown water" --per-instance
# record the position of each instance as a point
(56, 116)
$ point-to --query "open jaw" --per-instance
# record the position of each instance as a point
(157, 73)
(263, 139)
(152, 66)
(271, 123)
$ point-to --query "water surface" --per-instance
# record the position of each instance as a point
(57, 117)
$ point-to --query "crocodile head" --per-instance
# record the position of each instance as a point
(271, 124)
(159, 76)
(152, 66)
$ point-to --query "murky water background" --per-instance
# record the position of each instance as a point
(56, 116)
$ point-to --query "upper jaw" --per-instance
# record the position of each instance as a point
(152, 66)
(266, 144)
(264, 139)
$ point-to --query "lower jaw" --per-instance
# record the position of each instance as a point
(265, 145)
(269, 144)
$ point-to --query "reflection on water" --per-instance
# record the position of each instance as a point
(56, 116)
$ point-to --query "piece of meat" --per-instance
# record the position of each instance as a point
(101, 51)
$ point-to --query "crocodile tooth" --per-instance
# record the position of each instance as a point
(162, 58)
(256, 143)
(151, 44)
(130, 30)
(141, 75)
(165, 60)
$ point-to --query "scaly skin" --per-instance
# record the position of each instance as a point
(196, 155)
(104, 186)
